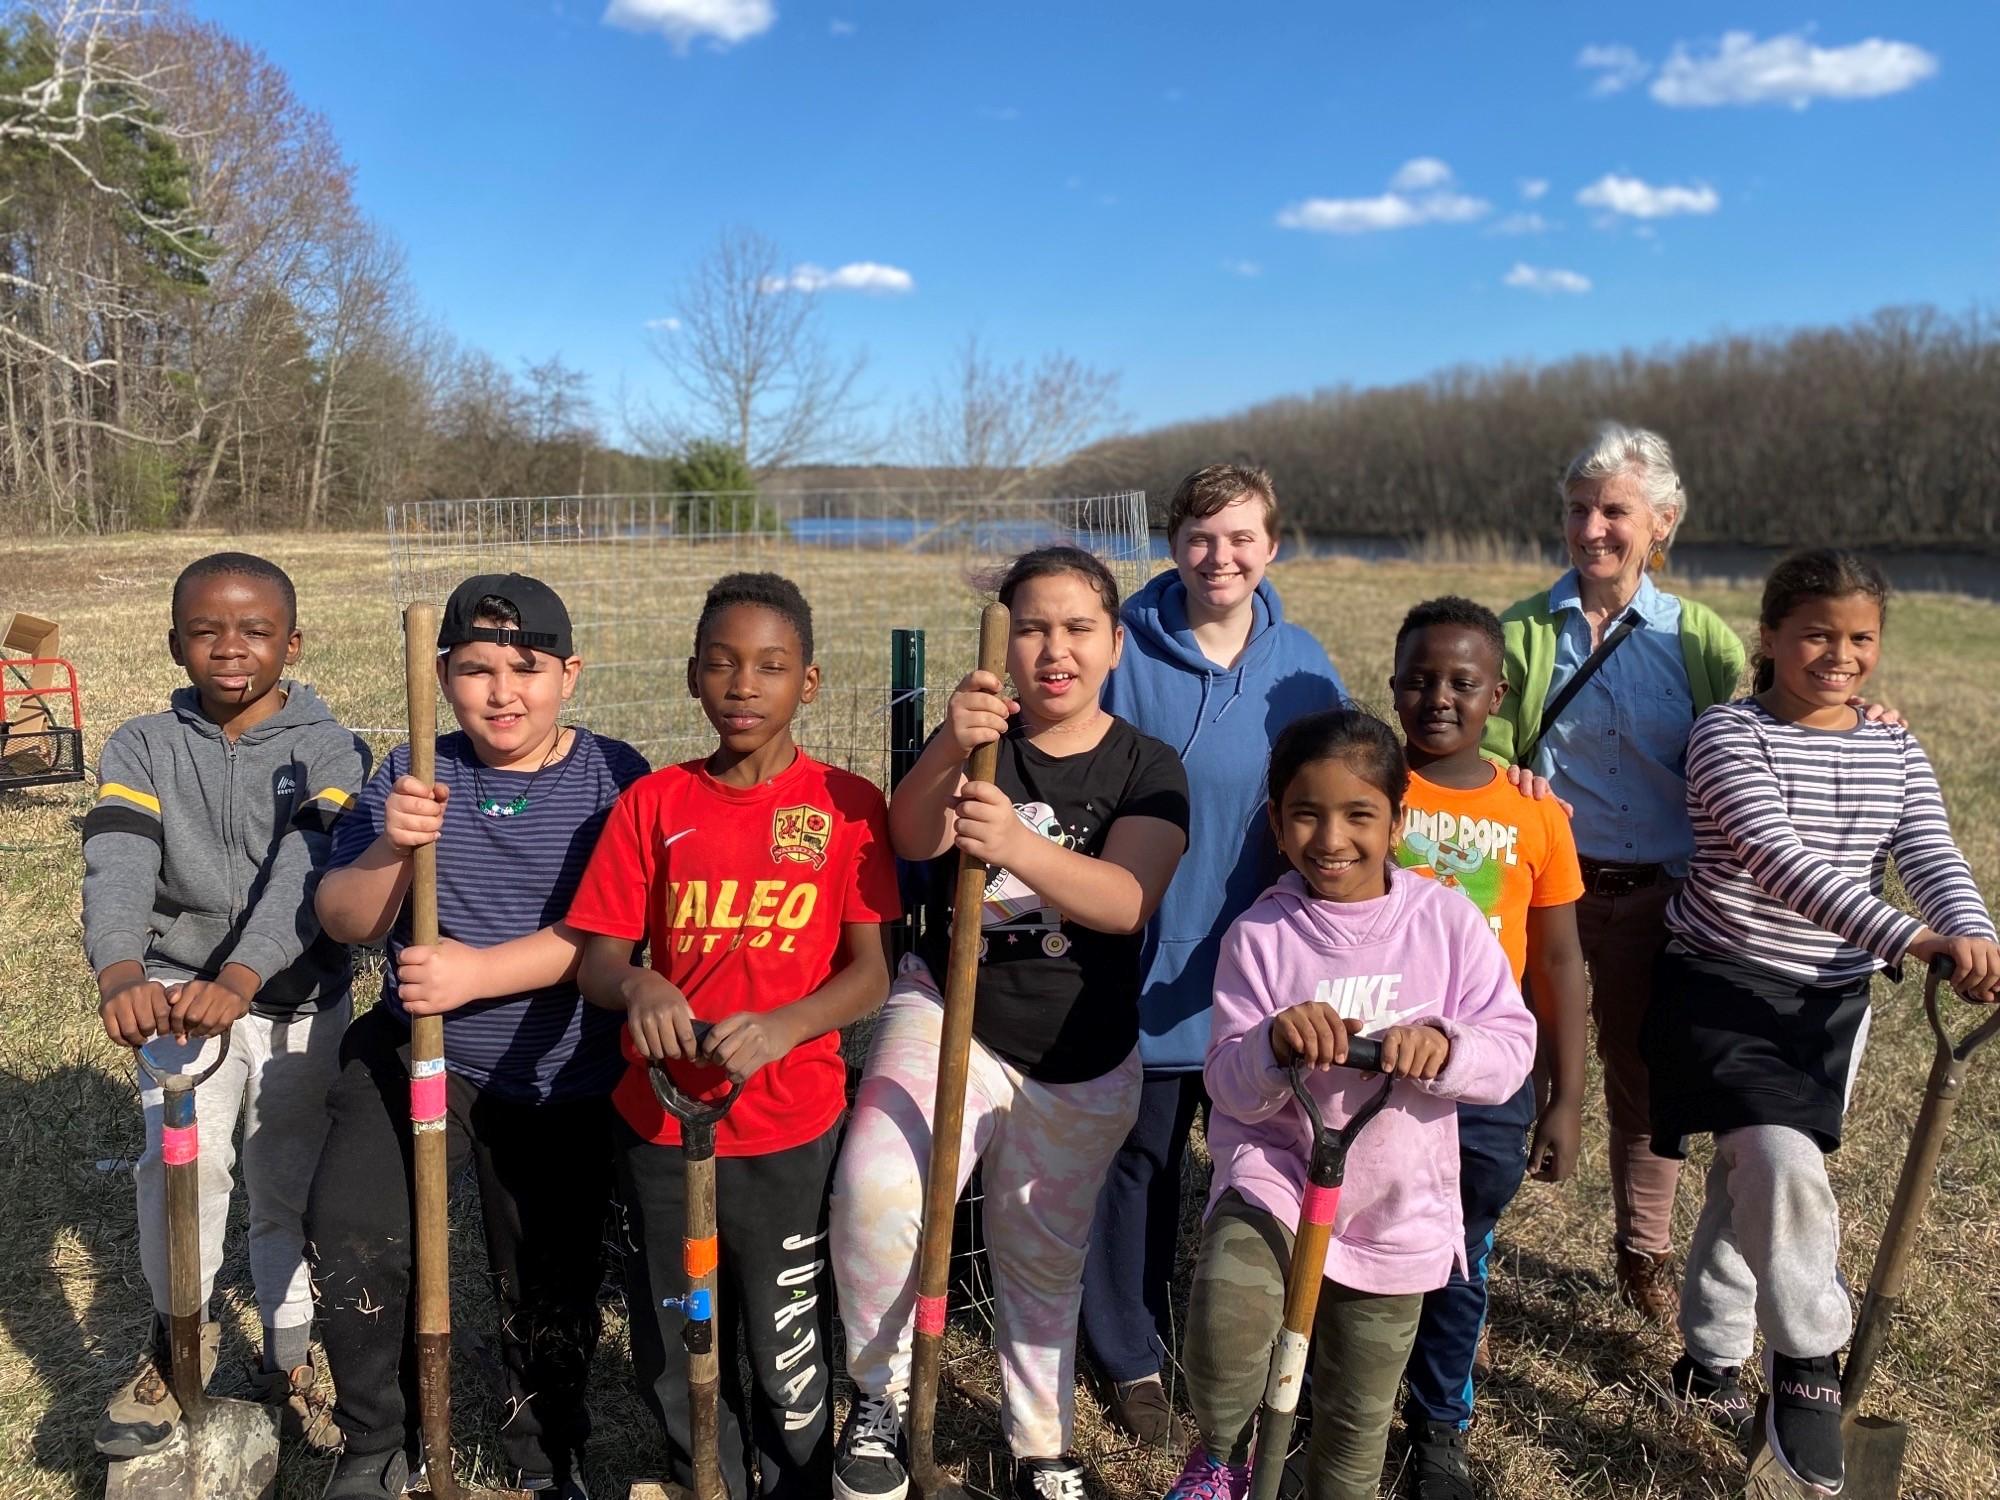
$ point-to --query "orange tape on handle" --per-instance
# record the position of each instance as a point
(698, 1256)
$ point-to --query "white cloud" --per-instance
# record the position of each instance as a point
(1616, 65)
(1418, 173)
(1533, 187)
(725, 22)
(839, 27)
(1547, 280)
(1242, 268)
(1789, 69)
(1521, 223)
(1419, 193)
(856, 276)
(664, 325)
(1641, 200)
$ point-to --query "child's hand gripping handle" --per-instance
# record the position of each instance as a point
(698, 1117)
(1321, 1201)
(961, 982)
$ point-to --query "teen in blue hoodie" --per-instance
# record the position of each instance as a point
(1210, 667)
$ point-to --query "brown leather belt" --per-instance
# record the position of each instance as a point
(1603, 878)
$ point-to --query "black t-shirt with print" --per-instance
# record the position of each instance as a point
(1058, 1000)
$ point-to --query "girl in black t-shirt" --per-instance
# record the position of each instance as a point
(1081, 829)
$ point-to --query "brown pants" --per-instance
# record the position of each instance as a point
(1622, 936)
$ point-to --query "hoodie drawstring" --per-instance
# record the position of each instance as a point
(1201, 709)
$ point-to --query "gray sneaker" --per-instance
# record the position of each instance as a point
(369, 1476)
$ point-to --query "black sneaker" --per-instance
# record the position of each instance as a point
(1048, 1479)
(1437, 1464)
(368, 1476)
(1802, 1421)
(1717, 1394)
(870, 1462)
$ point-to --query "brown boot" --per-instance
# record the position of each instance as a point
(1646, 1283)
(303, 1413)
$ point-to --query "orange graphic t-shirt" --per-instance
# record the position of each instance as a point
(1507, 852)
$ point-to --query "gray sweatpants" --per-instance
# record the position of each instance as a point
(1766, 1252)
(275, 1079)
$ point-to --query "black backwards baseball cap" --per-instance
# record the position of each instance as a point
(544, 621)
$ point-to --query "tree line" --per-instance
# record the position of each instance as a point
(1884, 433)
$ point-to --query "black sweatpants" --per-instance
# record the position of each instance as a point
(774, 1300)
(544, 1187)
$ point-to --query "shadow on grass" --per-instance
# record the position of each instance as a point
(76, 1306)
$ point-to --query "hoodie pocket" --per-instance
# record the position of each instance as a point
(195, 940)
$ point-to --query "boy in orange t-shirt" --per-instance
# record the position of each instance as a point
(1513, 856)
(760, 879)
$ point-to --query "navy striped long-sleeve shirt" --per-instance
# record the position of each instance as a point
(1793, 830)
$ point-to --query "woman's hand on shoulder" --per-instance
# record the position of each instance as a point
(1975, 963)
(1536, 788)
(977, 713)
(1878, 713)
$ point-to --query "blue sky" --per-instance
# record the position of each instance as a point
(1222, 203)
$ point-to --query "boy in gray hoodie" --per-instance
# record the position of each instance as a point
(213, 821)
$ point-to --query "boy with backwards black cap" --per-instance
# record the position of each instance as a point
(517, 806)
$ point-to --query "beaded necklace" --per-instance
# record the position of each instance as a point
(512, 807)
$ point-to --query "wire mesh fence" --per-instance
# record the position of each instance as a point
(894, 577)
(633, 570)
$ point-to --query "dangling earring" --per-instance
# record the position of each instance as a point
(1657, 562)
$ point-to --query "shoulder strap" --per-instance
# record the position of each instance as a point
(1611, 642)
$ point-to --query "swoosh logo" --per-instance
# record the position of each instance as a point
(668, 841)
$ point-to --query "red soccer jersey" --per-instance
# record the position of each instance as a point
(742, 896)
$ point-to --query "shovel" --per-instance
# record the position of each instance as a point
(1873, 1446)
(1325, 1171)
(430, 1227)
(221, 1449)
(698, 1118)
(961, 985)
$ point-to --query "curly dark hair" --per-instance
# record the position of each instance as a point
(1368, 747)
(770, 591)
(238, 565)
(1453, 610)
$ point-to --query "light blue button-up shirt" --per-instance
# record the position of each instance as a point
(1619, 751)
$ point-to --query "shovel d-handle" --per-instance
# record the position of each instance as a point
(961, 988)
(180, 1150)
(698, 1119)
(1325, 1171)
(1913, 1188)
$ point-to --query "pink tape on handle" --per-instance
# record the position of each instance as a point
(180, 1144)
(1320, 1204)
(427, 1097)
(930, 1314)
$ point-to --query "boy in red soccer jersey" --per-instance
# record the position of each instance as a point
(760, 879)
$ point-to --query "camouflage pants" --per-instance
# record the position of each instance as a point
(1360, 1343)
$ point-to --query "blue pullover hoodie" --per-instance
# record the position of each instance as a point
(1222, 720)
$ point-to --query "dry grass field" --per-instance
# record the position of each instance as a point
(1572, 1410)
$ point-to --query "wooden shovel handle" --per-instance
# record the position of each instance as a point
(961, 984)
(431, 1230)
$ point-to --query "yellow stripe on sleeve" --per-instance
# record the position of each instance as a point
(130, 794)
(334, 795)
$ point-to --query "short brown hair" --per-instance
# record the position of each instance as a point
(1208, 490)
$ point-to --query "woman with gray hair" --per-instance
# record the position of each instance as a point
(1606, 674)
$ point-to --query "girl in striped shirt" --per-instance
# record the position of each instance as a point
(1762, 1011)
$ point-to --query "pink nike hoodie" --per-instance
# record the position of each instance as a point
(1420, 955)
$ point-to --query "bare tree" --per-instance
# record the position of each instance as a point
(744, 350)
(1004, 428)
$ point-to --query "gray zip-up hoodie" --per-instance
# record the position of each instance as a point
(201, 853)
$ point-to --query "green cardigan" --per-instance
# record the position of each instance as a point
(1710, 649)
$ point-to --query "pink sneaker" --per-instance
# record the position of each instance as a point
(1205, 1477)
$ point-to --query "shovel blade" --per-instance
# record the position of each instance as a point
(229, 1453)
(1874, 1451)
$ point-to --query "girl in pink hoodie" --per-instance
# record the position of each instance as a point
(1344, 943)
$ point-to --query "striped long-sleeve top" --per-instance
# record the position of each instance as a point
(1793, 830)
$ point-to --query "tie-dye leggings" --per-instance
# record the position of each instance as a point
(1043, 1150)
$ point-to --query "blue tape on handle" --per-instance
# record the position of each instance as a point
(695, 1305)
